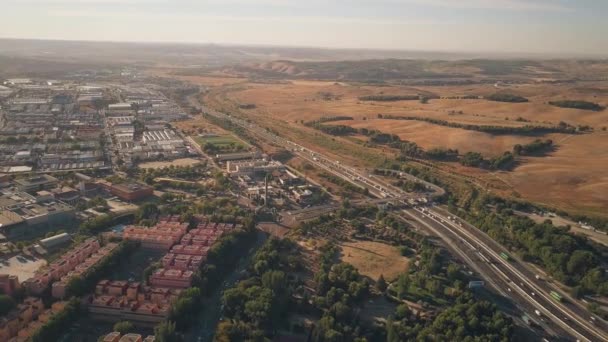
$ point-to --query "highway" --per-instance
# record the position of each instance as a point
(513, 279)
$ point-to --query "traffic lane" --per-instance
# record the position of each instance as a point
(576, 324)
(597, 325)
(337, 169)
(500, 283)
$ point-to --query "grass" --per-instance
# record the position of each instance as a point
(373, 259)
(220, 140)
(571, 178)
(223, 142)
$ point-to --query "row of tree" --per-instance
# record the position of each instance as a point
(569, 258)
(562, 127)
(389, 98)
(537, 147)
(577, 104)
(506, 161)
(504, 97)
(328, 119)
(58, 323)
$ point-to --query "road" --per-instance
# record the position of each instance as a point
(211, 313)
(569, 317)
(516, 275)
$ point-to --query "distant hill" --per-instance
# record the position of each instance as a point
(424, 72)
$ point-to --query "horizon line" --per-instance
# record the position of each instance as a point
(488, 53)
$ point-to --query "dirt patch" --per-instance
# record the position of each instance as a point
(176, 162)
(274, 229)
(23, 268)
(373, 259)
(198, 125)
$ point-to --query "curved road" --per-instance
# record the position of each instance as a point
(569, 316)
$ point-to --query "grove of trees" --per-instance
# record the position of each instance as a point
(258, 305)
(504, 97)
(577, 104)
(569, 258)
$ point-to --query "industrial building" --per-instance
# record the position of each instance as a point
(36, 183)
(24, 216)
(130, 191)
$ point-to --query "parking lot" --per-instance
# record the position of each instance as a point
(21, 266)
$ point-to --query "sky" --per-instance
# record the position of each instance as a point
(570, 27)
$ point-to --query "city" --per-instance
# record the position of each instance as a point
(303, 171)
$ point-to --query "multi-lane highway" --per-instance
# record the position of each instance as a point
(512, 278)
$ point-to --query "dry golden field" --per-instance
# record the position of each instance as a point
(373, 259)
(572, 178)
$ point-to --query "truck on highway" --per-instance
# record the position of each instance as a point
(556, 296)
(505, 256)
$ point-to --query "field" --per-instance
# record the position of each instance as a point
(222, 142)
(373, 259)
(571, 178)
(176, 162)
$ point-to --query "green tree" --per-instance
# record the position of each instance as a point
(124, 327)
(381, 284)
(165, 332)
(6, 304)
(146, 211)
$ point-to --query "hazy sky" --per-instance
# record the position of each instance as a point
(533, 26)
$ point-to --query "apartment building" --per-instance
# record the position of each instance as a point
(62, 266)
(21, 323)
(162, 236)
(171, 278)
(58, 289)
(118, 300)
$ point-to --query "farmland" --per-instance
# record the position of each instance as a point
(571, 177)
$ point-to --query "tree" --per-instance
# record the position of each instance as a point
(580, 262)
(453, 271)
(403, 284)
(402, 311)
(76, 287)
(147, 211)
(6, 304)
(124, 327)
(391, 333)
(165, 332)
(381, 284)
(274, 280)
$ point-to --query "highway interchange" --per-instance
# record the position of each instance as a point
(568, 320)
